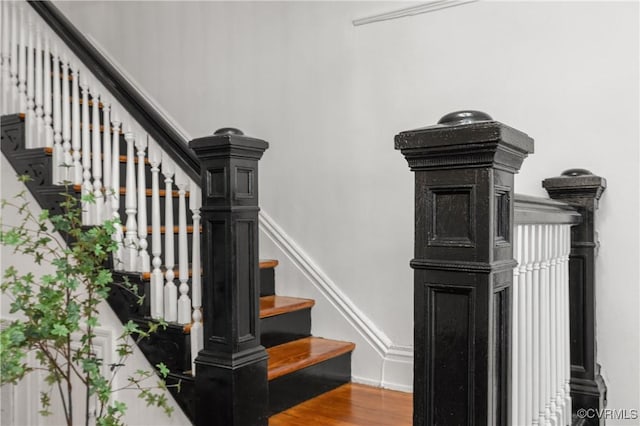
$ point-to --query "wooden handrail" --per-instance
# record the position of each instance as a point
(537, 210)
(163, 132)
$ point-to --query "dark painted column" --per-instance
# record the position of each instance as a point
(582, 190)
(231, 370)
(464, 168)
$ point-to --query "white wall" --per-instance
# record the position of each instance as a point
(21, 402)
(329, 97)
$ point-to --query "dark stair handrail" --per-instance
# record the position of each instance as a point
(161, 130)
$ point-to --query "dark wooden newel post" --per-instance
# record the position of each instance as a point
(582, 190)
(464, 168)
(231, 370)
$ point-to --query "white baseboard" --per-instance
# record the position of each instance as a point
(397, 361)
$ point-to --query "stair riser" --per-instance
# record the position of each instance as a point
(185, 395)
(170, 346)
(32, 162)
(123, 302)
(285, 327)
(294, 388)
(267, 282)
(147, 174)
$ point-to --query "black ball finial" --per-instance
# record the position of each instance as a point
(464, 117)
(577, 172)
(228, 131)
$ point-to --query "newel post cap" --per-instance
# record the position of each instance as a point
(575, 185)
(228, 141)
(465, 139)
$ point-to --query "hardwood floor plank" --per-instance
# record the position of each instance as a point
(350, 405)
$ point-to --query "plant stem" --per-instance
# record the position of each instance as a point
(69, 361)
(64, 404)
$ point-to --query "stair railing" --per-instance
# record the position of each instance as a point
(540, 372)
(62, 83)
(80, 110)
(504, 287)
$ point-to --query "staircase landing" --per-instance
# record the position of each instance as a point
(351, 404)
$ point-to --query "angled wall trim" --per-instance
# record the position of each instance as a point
(431, 6)
(397, 365)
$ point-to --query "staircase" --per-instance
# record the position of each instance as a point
(245, 356)
(300, 366)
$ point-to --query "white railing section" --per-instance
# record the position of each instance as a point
(71, 116)
(540, 313)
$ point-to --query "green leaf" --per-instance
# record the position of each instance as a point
(60, 330)
(58, 305)
(162, 368)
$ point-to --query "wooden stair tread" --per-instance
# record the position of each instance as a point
(351, 404)
(163, 229)
(147, 275)
(148, 191)
(123, 158)
(268, 263)
(123, 191)
(302, 353)
(275, 305)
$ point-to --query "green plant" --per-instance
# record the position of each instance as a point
(57, 313)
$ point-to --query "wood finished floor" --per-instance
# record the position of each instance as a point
(350, 405)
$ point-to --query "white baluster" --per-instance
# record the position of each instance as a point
(39, 100)
(522, 326)
(157, 279)
(567, 340)
(543, 318)
(131, 209)
(184, 303)
(57, 154)
(114, 190)
(66, 122)
(30, 129)
(13, 65)
(47, 96)
(76, 140)
(559, 397)
(106, 154)
(6, 58)
(197, 333)
(515, 329)
(30, 134)
(537, 403)
(554, 320)
(96, 151)
(143, 254)
(560, 326)
(545, 414)
(565, 370)
(528, 256)
(22, 62)
(88, 209)
(170, 290)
